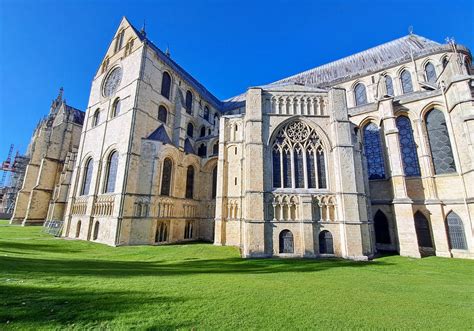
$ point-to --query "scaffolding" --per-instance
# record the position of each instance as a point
(11, 181)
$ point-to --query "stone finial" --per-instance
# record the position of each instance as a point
(143, 30)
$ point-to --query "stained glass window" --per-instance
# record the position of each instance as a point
(321, 169)
(189, 102)
(407, 85)
(430, 73)
(86, 182)
(287, 169)
(373, 152)
(457, 238)
(360, 94)
(166, 177)
(408, 147)
(440, 145)
(112, 166)
(166, 85)
(389, 85)
(299, 168)
(310, 169)
(276, 168)
(190, 182)
(162, 114)
(296, 144)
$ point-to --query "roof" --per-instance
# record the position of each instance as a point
(160, 135)
(371, 60)
(188, 147)
(77, 115)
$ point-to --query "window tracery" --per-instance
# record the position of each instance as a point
(373, 152)
(440, 144)
(430, 73)
(298, 158)
(407, 147)
(405, 78)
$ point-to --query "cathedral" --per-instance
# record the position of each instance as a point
(369, 153)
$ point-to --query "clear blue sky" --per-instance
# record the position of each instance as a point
(226, 45)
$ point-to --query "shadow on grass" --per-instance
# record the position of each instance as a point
(58, 307)
(20, 248)
(108, 268)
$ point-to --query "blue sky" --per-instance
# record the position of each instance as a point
(226, 45)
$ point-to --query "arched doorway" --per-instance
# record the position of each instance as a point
(286, 242)
(325, 242)
(423, 234)
(382, 231)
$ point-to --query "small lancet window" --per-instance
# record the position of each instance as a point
(87, 177)
(206, 113)
(166, 177)
(430, 73)
(203, 132)
(96, 118)
(214, 182)
(389, 85)
(166, 85)
(116, 107)
(162, 114)
(111, 172)
(405, 78)
(119, 41)
(360, 94)
(202, 150)
(190, 182)
(189, 102)
(190, 130)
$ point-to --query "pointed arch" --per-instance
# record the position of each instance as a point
(190, 182)
(360, 94)
(382, 229)
(423, 231)
(389, 85)
(116, 107)
(408, 150)
(162, 114)
(406, 82)
(439, 142)
(326, 245)
(286, 242)
(430, 73)
(111, 172)
(190, 130)
(166, 85)
(87, 176)
(189, 102)
(166, 177)
(456, 235)
(373, 151)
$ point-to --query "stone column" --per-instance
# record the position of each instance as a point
(253, 184)
(402, 205)
(219, 227)
(352, 236)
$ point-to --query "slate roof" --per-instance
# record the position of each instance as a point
(160, 135)
(77, 115)
(374, 59)
(188, 147)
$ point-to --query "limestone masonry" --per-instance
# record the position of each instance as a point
(373, 152)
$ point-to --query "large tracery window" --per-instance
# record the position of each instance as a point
(408, 147)
(373, 152)
(440, 145)
(298, 158)
(457, 238)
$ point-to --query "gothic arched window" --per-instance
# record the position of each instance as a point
(78, 229)
(87, 177)
(294, 146)
(162, 114)
(190, 130)
(430, 73)
(189, 102)
(382, 233)
(286, 242)
(166, 85)
(360, 94)
(440, 145)
(206, 113)
(119, 41)
(405, 78)
(116, 107)
(215, 148)
(190, 182)
(214, 182)
(373, 152)
(166, 177)
(188, 230)
(96, 118)
(408, 147)
(457, 237)
(423, 231)
(389, 85)
(203, 132)
(111, 172)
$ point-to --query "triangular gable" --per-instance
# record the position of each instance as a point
(188, 147)
(160, 135)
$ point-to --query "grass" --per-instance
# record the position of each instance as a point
(51, 283)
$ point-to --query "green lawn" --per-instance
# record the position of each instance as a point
(50, 283)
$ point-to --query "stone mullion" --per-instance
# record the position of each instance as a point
(316, 176)
(282, 182)
(305, 168)
(292, 162)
